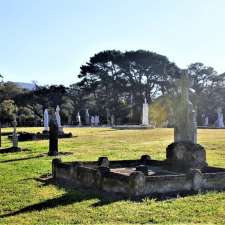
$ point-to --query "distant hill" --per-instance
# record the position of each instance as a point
(27, 86)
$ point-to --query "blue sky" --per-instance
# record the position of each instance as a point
(48, 40)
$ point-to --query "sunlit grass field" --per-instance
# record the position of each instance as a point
(30, 201)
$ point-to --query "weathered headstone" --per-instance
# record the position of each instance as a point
(15, 137)
(219, 121)
(185, 153)
(112, 120)
(46, 121)
(206, 122)
(145, 120)
(14, 134)
(58, 119)
(53, 138)
(92, 121)
(185, 116)
(96, 120)
(87, 117)
(108, 116)
(79, 119)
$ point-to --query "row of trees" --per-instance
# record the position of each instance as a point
(115, 83)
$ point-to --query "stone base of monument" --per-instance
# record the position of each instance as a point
(10, 150)
(144, 177)
(181, 156)
(26, 136)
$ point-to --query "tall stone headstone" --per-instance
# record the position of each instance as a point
(145, 120)
(185, 154)
(96, 120)
(53, 138)
(46, 121)
(108, 116)
(112, 120)
(92, 121)
(219, 121)
(79, 119)
(58, 119)
(185, 115)
(206, 122)
(14, 135)
(87, 117)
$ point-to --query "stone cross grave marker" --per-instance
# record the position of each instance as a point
(185, 115)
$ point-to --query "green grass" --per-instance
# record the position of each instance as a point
(41, 203)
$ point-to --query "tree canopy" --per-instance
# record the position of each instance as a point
(114, 84)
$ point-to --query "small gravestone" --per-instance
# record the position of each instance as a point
(15, 137)
(53, 138)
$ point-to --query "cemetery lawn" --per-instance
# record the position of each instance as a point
(25, 199)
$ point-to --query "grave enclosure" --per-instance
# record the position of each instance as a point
(185, 168)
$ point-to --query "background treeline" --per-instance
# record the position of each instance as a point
(114, 84)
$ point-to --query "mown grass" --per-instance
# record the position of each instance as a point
(24, 199)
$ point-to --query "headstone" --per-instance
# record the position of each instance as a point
(53, 138)
(96, 120)
(185, 116)
(131, 108)
(145, 120)
(46, 121)
(58, 119)
(14, 135)
(92, 121)
(112, 120)
(219, 121)
(79, 119)
(206, 122)
(87, 117)
(108, 116)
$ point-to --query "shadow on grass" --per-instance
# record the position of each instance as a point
(101, 131)
(12, 150)
(72, 196)
(21, 159)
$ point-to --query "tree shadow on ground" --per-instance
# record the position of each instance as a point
(102, 131)
(21, 159)
(76, 195)
(11, 150)
(70, 197)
